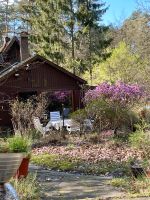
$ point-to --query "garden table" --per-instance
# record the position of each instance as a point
(71, 125)
(59, 123)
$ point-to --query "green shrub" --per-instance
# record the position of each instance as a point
(120, 182)
(79, 116)
(141, 139)
(34, 134)
(19, 144)
(110, 116)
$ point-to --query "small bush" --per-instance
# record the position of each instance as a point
(141, 139)
(145, 115)
(108, 116)
(34, 134)
(19, 144)
(23, 112)
(27, 188)
(120, 182)
(79, 115)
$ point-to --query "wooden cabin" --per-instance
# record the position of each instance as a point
(22, 75)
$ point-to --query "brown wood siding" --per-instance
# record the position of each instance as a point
(39, 77)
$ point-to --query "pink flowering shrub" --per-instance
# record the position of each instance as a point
(62, 96)
(118, 93)
(110, 104)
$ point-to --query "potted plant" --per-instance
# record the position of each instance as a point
(9, 163)
(21, 144)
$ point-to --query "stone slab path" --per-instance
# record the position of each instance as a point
(57, 185)
(65, 186)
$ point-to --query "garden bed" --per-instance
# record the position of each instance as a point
(103, 158)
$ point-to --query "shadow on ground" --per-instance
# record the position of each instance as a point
(65, 186)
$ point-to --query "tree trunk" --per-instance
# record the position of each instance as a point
(72, 35)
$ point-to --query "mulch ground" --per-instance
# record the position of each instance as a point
(93, 153)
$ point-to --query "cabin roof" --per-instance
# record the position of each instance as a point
(6, 72)
(8, 45)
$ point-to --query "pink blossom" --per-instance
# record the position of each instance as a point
(119, 92)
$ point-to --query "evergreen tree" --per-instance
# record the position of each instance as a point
(70, 23)
(43, 19)
(68, 32)
(93, 33)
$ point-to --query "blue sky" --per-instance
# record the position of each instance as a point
(118, 10)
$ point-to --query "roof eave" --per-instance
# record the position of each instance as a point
(31, 59)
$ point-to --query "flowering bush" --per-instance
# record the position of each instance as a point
(62, 96)
(118, 93)
(57, 98)
(110, 104)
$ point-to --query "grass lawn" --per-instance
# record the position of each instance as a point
(27, 188)
(133, 187)
(63, 163)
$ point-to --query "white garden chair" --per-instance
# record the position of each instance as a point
(38, 126)
(55, 116)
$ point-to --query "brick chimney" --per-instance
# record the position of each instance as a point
(24, 50)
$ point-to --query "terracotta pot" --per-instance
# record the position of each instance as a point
(22, 172)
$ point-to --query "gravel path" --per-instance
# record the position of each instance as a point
(66, 186)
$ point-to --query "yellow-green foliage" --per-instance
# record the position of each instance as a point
(122, 65)
(141, 139)
(27, 188)
(65, 163)
(18, 143)
(133, 187)
(54, 162)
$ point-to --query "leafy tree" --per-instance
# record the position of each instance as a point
(70, 24)
(121, 65)
(135, 31)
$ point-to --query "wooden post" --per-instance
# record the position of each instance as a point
(76, 101)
